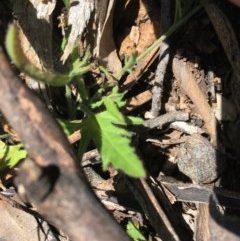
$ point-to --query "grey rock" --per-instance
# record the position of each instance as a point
(197, 159)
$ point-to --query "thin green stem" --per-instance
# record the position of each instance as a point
(81, 70)
(4, 136)
(105, 72)
(178, 11)
(168, 33)
(131, 62)
(68, 95)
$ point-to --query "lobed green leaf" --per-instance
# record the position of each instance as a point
(11, 155)
(113, 142)
(134, 232)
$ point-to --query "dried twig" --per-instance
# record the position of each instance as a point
(152, 209)
(140, 68)
(163, 60)
(185, 127)
(183, 74)
(137, 101)
(189, 192)
(166, 118)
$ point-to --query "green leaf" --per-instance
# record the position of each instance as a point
(132, 120)
(75, 58)
(134, 232)
(114, 141)
(89, 128)
(67, 3)
(117, 97)
(69, 127)
(11, 155)
(113, 111)
(97, 104)
(108, 130)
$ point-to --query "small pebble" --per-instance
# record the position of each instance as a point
(198, 160)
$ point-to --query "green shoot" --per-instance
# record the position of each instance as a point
(48, 77)
(134, 232)
(108, 129)
(127, 68)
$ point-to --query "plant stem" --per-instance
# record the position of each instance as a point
(168, 33)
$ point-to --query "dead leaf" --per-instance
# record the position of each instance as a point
(138, 100)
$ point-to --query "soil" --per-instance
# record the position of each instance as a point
(192, 160)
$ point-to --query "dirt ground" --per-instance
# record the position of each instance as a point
(188, 93)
